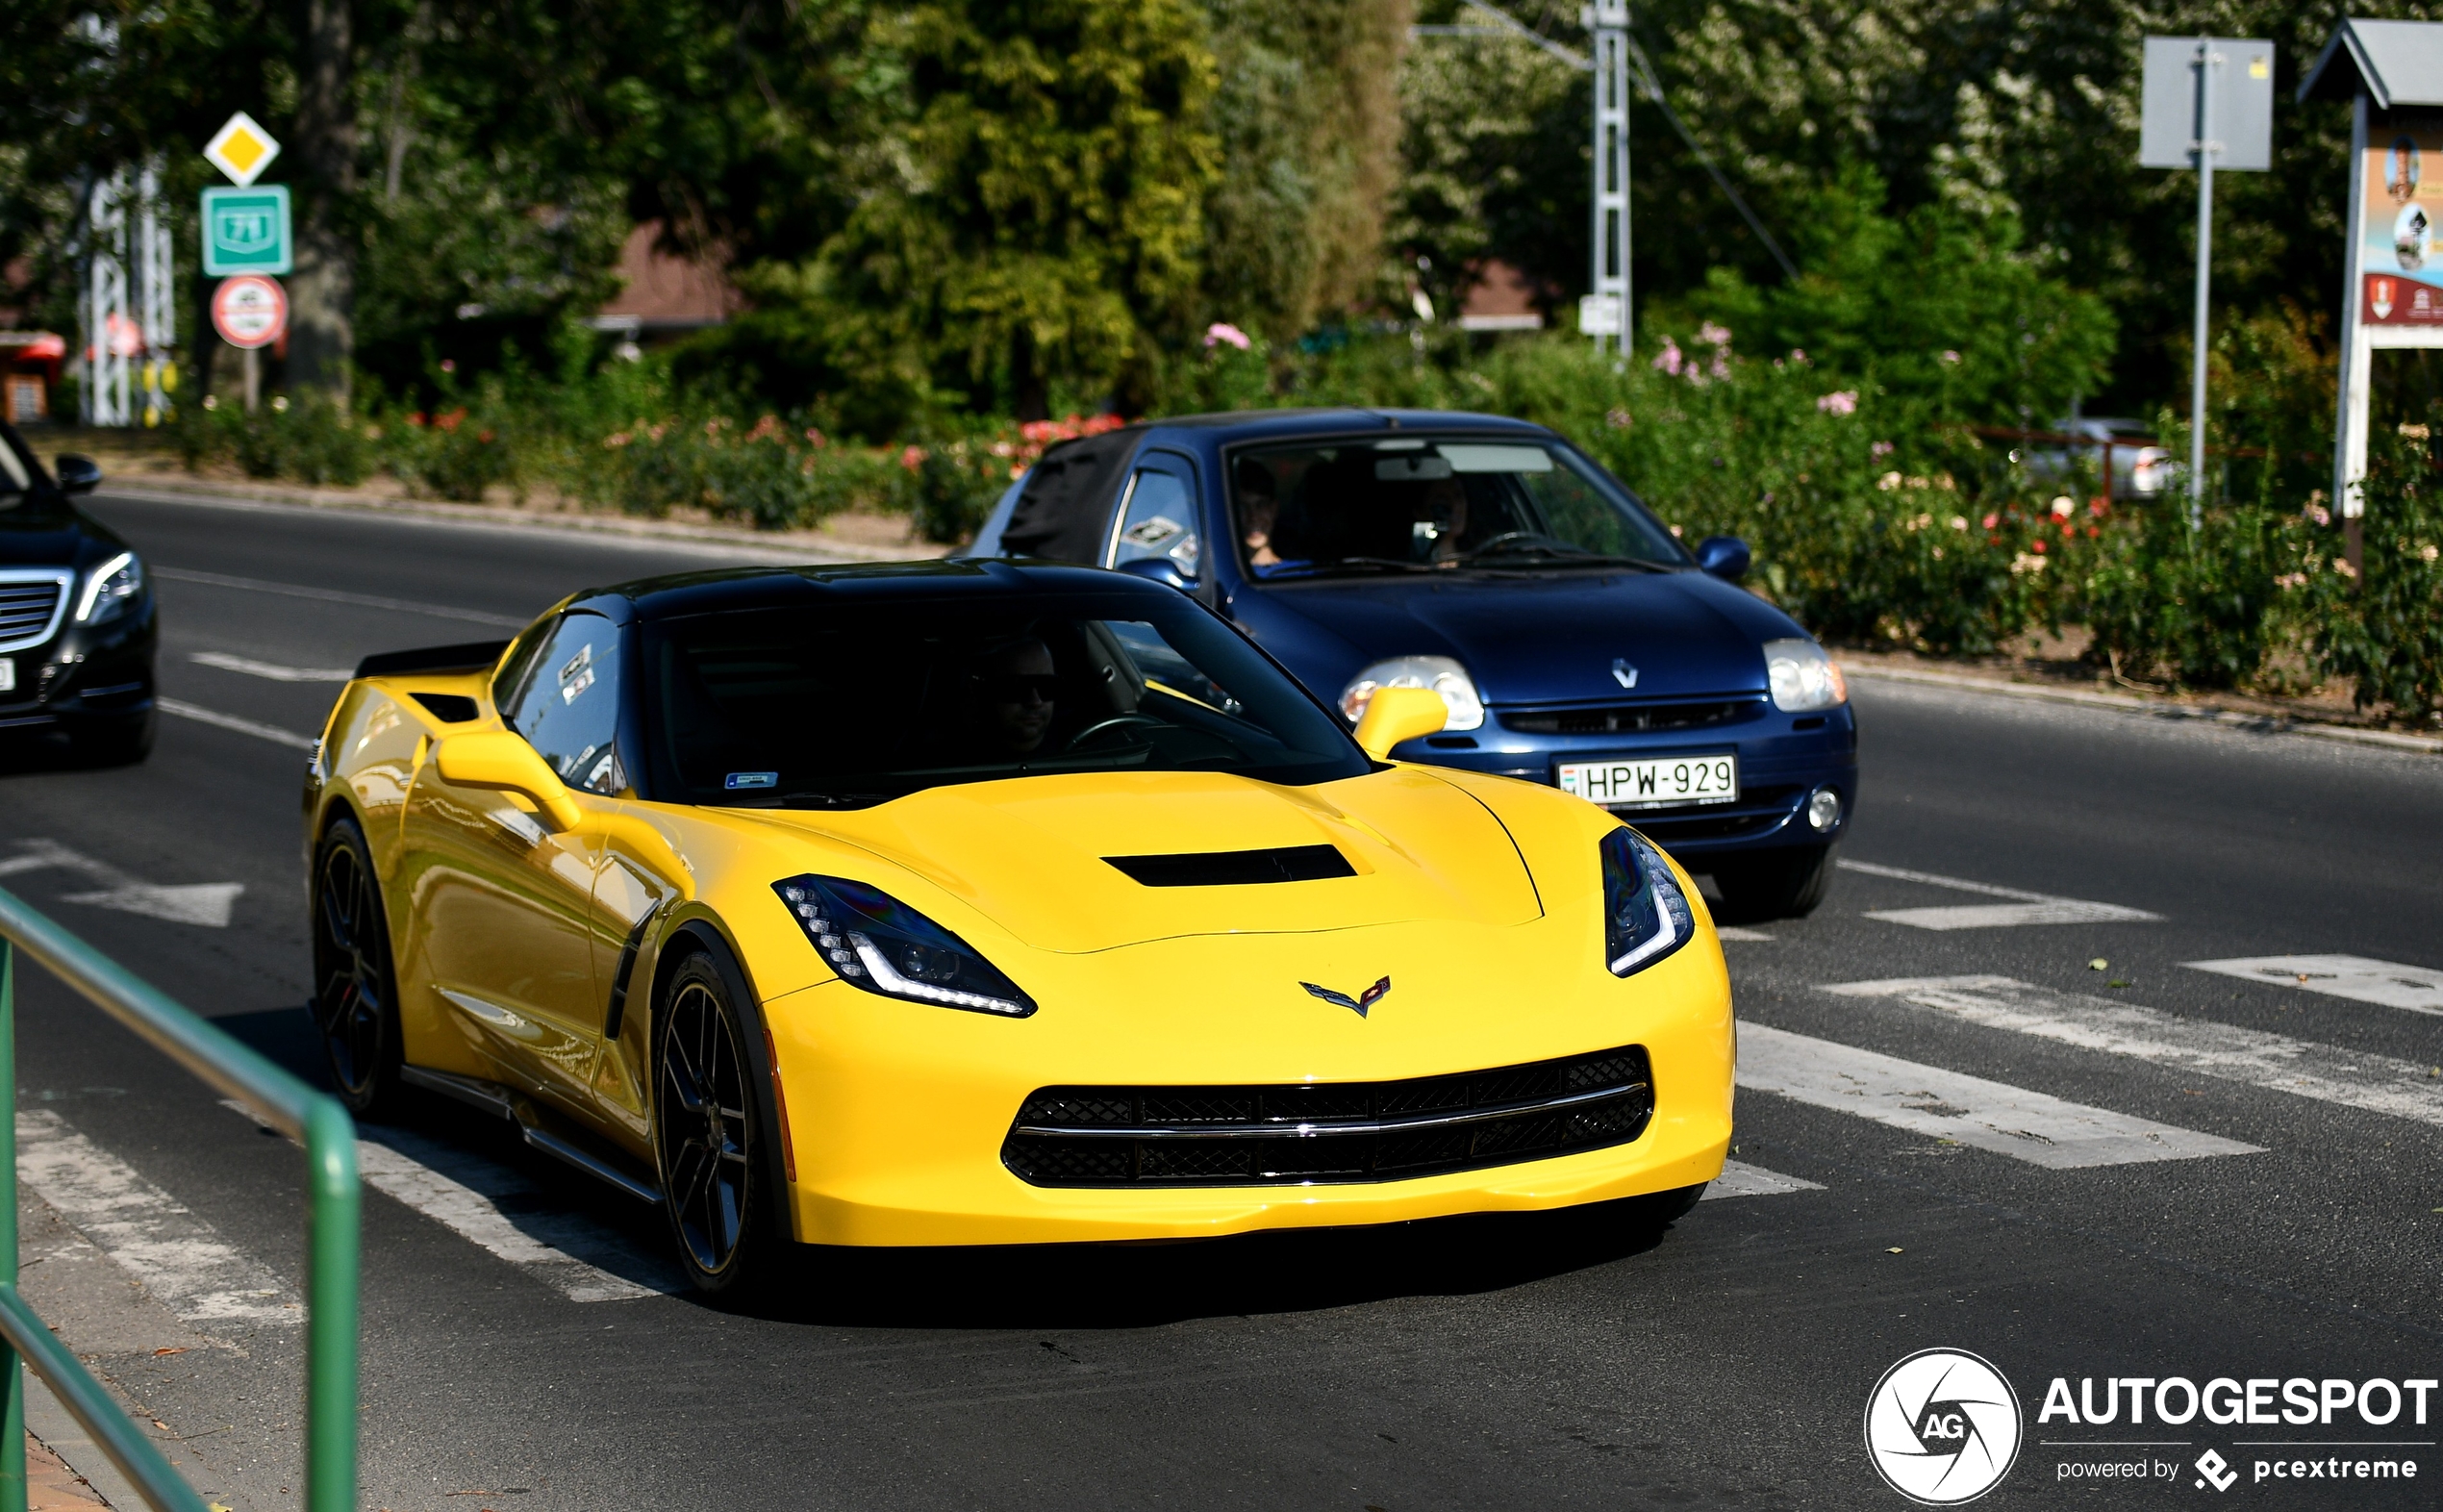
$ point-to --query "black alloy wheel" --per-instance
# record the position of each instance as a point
(706, 1129)
(355, 997)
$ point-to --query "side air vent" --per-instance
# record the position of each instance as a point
(449, 708)
(1237, 867)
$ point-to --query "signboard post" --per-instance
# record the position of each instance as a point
(2208, 104)
(246, 244)
(250, 312)
(2392, 258)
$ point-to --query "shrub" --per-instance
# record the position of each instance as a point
(2385, 633)
(306, 438)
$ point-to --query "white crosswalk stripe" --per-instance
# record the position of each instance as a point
(181, 1260)
(496, 1207)
(2388, 983)
(2026, 1125)
(2029, 908)
(2326, 1073)
(1739, 1179)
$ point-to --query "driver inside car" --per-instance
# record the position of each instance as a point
(1020, 688)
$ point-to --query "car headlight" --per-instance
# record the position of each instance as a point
(877, 942)
(109, 589)
(1440, 674)
(1645, 916)
(1803, 677)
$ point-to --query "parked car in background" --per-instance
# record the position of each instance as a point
(1573, 639)
(2119, 455)
(77, 626)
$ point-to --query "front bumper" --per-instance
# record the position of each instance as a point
(899, 1112)
(83, 675)
(1783, 760)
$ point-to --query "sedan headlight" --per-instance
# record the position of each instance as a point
(1645, 916)
(1440, 674)
(1803, 678)
(110, 589)
(877, 942)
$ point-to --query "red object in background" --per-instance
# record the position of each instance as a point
(250, 311)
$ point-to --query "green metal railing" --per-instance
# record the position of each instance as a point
(280, 1101)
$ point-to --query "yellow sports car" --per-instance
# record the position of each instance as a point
(991, 903)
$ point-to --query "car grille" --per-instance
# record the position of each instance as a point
(1628, 718)
(26, 609)
(1329, 1131)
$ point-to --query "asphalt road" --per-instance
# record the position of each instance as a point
(541, 1362)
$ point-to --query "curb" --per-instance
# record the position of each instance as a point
(2270, 724)
(182, 491)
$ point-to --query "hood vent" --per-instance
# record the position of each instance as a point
(1237, 867)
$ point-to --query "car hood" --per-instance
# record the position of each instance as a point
(1544, 638)
(1028, 853)
(39, 533)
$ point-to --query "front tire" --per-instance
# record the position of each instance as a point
(117, 742)
(355, 992)
(709, 1132)
(1773, 884)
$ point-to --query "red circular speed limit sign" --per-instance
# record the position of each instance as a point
(249, 310)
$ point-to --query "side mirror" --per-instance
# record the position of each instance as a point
(78, 474)
(1160, 570)
(1725, 557)
(1400, 714)
(502, 762)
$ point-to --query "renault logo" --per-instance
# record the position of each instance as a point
(1358, 1005)
(1622, 673)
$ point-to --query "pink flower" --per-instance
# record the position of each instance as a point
(912, 459)
(449, 364)
(1617, 418)
(1221, 331)
(1951, 357)
(1799, 356)
(1880, 449)
(815, 438)
(2321, 514)
(1713, 335)
(1841, 401)
(1668, 359)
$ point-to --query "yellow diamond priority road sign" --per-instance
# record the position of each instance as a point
(241, 149)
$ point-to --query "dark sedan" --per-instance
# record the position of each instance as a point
(1573, 639)
(77, 626)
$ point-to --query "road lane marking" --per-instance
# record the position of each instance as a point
(181, 1259)
(204, 903)
(2227, 1052)
(2386, 983)
(2031, 908)
(270, 671)
(2033, 1126)
(1739, 1179)
(229, 722)
(1737, 932)
(332, 595)
(499, 1209)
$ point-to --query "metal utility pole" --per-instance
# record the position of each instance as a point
(155, 295)
(2208, 60)
(1608, 313)
(103, 397)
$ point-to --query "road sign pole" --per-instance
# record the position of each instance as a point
(2208, 60)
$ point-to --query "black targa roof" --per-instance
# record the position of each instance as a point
(1065, 502)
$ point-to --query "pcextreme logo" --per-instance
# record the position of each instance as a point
(1943, 1428)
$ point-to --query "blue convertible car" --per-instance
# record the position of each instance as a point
(1572, 637)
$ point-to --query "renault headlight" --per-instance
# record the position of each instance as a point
(879, 943)
(1803, 678)
(110, 589)
(1441, 673)
(1645, 916)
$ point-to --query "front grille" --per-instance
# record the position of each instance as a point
(26, 609)
(1630, 717)
(1330, 1132)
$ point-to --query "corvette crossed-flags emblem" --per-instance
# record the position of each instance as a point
(1358, 1005)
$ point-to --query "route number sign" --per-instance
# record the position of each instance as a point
(247, 231)
(249, 310)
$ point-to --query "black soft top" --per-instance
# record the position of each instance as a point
(1061, 511)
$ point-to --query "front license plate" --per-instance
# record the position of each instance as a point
(7, 675)
(1665, 782)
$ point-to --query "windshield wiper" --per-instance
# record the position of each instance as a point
(833, 800)
(1571, 555)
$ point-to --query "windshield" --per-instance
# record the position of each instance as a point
(1417, 504)
(845, 707)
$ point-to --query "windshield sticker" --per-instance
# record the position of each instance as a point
(751, 779)
(1153, 532)
(1496, 459)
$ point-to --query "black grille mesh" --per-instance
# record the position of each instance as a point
(1619, 719)
(1196, 1154)
(25, 608)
